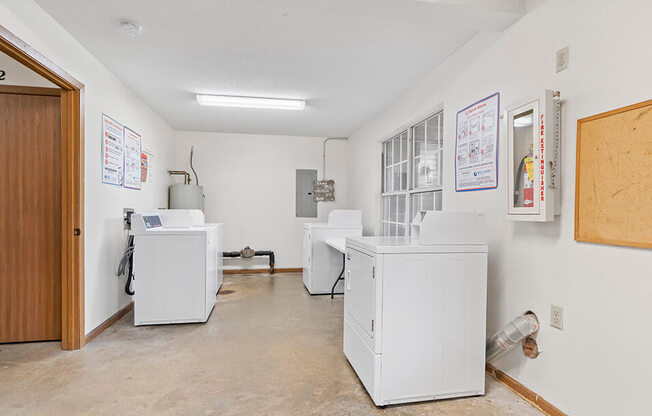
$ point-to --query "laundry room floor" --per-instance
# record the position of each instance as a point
(269, 348)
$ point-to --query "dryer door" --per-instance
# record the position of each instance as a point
(359, 292)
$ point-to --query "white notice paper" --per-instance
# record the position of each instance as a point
(476, 145)
(112, 151)
(132, 159)
(146, 166)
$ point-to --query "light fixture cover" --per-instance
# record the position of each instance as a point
(251, 102)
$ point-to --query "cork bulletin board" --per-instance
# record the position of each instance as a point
(613, 182)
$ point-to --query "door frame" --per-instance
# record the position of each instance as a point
(72, 184)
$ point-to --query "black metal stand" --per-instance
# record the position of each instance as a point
(340, 277)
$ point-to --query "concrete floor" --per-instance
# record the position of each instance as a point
(269, 348)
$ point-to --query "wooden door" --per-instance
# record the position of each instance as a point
(30, 217)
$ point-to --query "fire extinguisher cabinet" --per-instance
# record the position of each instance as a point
(533, 136)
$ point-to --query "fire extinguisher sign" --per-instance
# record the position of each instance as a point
(476, 145)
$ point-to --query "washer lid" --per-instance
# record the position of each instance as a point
(396, 245)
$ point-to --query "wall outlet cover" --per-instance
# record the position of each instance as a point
(562, 59)
(557, 317)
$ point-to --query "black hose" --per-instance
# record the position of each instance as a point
(127, 265)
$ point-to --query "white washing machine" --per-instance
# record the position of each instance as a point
(322, 264)
(177, 266)
(415, 311)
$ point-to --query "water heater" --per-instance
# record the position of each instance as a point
(186, 196)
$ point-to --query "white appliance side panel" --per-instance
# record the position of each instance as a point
(307, 248)
(170, 278)
(363, 360)
(220, 258)
(307, 277)
(211, 269)
(360, 291)
(433, 323)
(326, 262)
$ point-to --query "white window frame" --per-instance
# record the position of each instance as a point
(411, 190)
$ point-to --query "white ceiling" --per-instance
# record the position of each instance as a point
(347, 58)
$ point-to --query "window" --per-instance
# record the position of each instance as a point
(412, 174)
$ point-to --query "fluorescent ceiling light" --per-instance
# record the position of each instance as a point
(250, 102)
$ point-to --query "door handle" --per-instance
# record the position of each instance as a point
(348, 279)
(76, 232)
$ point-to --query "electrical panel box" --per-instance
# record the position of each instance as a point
(533, 137)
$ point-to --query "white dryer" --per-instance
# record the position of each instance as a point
(177, 266)
(415, 310)
(321, 263)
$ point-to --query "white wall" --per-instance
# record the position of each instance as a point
(249, 183)
(601, 362)
(18, 74)
(104, 93)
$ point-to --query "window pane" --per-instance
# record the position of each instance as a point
(396, 142)
(419, 134)
(388, 153)
(428, 201)
(392, 229)
(400, 230)
(427, 166)
(400, 215)
(392, 208)
(415, 205)
(396, 174)
(385, 208)
(404, 147)
(404, 176)
(438, 201)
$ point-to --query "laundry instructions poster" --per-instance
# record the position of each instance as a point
(476, 145)
(113, 151)
(132, 163)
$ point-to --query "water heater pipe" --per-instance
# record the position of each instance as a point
(519, 328)
(186, 175)
(192, 151)
(323, 171)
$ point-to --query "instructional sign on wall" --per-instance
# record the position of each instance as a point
(476, 145)
(146, 166)
(132, 159)
(112, 151)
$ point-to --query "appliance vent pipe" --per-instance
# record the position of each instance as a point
(519, 328)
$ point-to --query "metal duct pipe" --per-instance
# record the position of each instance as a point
(519, 328)
(323, 171)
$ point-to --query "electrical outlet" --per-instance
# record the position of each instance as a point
(557, 317)
(562, 59)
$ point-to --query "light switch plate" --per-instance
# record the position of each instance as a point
(562, 59)
(557, 316)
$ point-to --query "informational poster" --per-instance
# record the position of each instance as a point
(146, 166)
(476, 145)
(112, 151)
(132, 159)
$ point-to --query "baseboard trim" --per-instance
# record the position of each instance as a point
(264, 271)
(106, 324)
(527, 394)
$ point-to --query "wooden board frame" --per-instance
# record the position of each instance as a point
(72, 184)
(580, 122)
